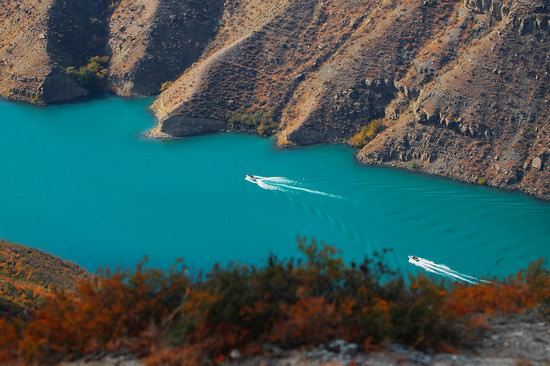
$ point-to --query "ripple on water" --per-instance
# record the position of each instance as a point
(85, 185)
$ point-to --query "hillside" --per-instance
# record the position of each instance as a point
(459, 89)
(29, 276)
(147, 43)
(453, 88)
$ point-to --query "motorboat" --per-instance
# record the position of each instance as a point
(251, 178)
(413, 258)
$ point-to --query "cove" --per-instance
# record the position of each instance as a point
(79, 181)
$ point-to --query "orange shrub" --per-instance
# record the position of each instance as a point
(117, 312)
(9, 340)
(309, 321)
(527, 289)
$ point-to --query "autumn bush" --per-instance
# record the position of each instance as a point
(366, 133)
(172, 319)
(122, 310)
(526, 289)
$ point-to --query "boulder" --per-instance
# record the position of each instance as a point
(536, 163)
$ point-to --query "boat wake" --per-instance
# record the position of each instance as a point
(445, 271)
(284, 185)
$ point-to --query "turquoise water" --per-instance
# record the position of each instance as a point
(78, 181)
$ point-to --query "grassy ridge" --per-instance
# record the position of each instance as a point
(171, 319)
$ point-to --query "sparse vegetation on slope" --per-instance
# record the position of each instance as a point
(259, 121)
(28, 277)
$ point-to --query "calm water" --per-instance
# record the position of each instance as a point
(78, 181)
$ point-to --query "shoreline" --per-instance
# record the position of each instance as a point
(156, 134)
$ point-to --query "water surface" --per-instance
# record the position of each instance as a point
(78, 181)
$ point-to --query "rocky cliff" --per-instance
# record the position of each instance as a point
(484, 115)
(454, 88)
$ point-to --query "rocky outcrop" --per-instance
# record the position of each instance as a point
(499, 9)
(255, 48)
(24, 61)
(39, 39)
(485, 117)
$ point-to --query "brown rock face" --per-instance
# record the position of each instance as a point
(155, 41)
(484, 116)
(461, 88)
(149, 42)
(39, 39)
(27, 69)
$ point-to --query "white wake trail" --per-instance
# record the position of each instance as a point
(447, 269)
(453, 274)
(312, 191)
(277, 180)
(284, 184)
(269, 187)
(444, 270)
(432, 269)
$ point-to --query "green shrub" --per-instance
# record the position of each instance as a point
(35, 99)
(261, 121)
(92, 74)
(164, 86)
(366, 133)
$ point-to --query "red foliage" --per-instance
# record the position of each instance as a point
(308, 321)
(120, 311)
(9, 340)
(527, 289)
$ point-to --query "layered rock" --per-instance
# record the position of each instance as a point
(484, 117)
(497, 8)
